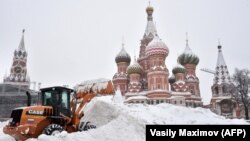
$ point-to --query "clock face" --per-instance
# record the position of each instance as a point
(17, 69)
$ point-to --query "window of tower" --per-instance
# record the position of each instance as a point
(224, 88)
(216, 89)
(19, 53)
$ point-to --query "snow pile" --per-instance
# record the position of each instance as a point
(95, 85)
(118, 97)
(125, 122)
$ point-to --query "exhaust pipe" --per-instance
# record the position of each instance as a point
(29, 98)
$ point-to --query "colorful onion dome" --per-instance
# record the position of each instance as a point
(157, 46)
(135, 68)
(122, 56)
(178, 69)
(149, 9)
(188, 57)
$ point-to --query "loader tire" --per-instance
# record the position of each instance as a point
(84, 126)
(53, 129)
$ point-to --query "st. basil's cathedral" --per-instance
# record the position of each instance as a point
(148, 80)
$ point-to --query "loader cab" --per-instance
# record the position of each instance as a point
(58, 98)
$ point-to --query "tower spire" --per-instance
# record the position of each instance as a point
(187, 49)
(21, 45)
(222, 74)
(187, 39)
(123, 42)
(134, 56)
(150, 29)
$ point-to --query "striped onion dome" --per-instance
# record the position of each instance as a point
(157, 46)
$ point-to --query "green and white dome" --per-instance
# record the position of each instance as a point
(135, 68)
(188, 57)
(178, 69)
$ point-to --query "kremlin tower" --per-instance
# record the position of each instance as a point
(18, 73)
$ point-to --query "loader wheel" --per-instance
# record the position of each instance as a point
(84, 126)
(53, 129)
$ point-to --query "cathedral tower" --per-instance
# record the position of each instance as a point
(149, 34)
(134, 71)
(179, 84)
(222, 101)
(157, 76)
(120, 79)
(190, 60)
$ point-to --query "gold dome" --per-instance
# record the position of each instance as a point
(150, 9)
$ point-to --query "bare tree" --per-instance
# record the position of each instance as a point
(242, 82)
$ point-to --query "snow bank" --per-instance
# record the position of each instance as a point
(117, 98)
(127, 122)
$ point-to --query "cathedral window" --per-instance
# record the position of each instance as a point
(216, 90)
(157, 101)
(224, 89)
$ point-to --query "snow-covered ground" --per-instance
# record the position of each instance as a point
(123, 122)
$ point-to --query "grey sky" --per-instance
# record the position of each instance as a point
(76, 40)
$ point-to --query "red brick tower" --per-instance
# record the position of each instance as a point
(157, 75)
(120, 79)
(134, 71)
(179, 84)
(189, 60)
(150, 33)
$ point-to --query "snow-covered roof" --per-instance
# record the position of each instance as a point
(180, 93)
(150, 28)
(157, 43)
(154, 67)
(180, 81)
(177, 97)
(222, 97)
(95, 85)
(221, 71)
(137, 98)
(143, 93)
